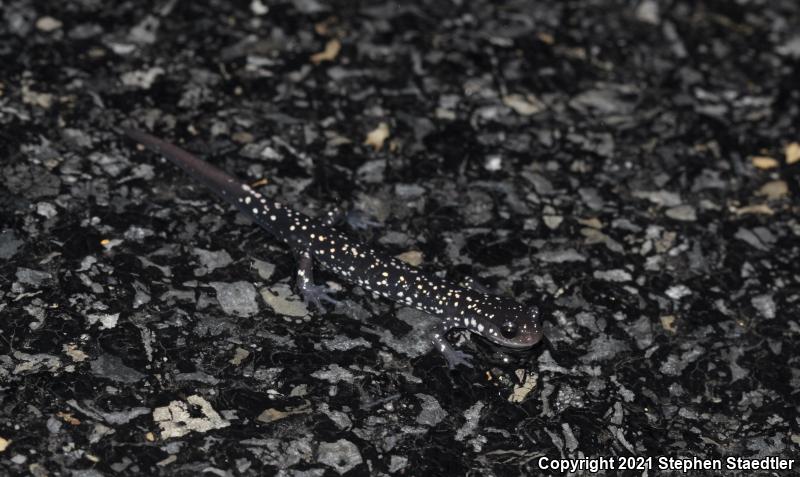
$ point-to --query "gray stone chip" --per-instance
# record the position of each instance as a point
(31, 277)
(342, 455)
(765, 305)
(432, 412)
(237, 298)
(685, 213)
(9, 244)
(615, 275)
(210, 260)
(603, 348)
(112, 367)
(561, 256)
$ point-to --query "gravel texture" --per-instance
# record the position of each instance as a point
(633, 166)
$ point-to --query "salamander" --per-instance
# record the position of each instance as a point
(501, 320)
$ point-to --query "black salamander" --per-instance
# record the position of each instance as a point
(501, 320)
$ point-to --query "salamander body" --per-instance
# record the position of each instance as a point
(501, 320)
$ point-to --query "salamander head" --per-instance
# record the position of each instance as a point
(512, 326)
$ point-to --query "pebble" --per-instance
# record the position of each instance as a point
(210, 260)
(524, 105)
(142, 79)
(677, 292)
(111, 367)
(561, 256)
(106, 320)
(759, 239)
(9, 244)
(774, 190)
(765, 305)
(342, 455)
(283, 301)
(615, 275)
(46, 210)
(790, 48)
(48, 24)
(685, 213)
(660, 197)
(176, 420)
(648, 12)
(552, 221)
(334, 374)
(35, 278)
(264, 269)
(432, 412)
(237, 298)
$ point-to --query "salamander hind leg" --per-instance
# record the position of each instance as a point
(312, 294)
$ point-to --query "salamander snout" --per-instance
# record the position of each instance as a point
(529, 327)
(519, 327)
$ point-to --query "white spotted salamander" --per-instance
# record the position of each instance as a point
(501, 320)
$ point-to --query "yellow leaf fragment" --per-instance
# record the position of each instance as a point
(42, 100)
(760, 209)
(243, 137)
(330, 52)
(48, 24)
(773, 190)
(4, 444)
(792, 153)
(764, 162)
(546, 38)
(377, 136)
(272, 414)
(592, 222)
(521, 391)
(412, 257)
(526, 105)
(69, 418)
(73, 352)
(239, 355)
(668, 323)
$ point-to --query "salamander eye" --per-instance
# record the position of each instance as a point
(509, 329)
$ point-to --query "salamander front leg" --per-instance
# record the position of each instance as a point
(453, 356)
(312, 294)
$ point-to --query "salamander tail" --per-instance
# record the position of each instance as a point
(218, 181)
